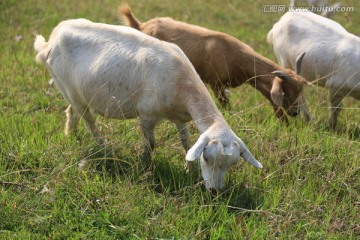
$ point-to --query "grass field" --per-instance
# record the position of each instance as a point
(309, 187)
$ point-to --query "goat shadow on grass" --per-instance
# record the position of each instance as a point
(241, 198)
(170, 178)
(164, 175)
(106, 159)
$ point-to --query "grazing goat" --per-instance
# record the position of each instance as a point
(332, 54)
(121, 73)
(223, 61)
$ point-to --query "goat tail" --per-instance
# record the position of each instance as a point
(128, 17)
(270, 37)
(40, 46)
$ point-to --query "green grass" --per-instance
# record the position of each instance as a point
(309, 187)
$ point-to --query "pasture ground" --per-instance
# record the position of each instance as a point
(309, 187)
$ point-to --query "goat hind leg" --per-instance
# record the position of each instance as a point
(335, 100)
(72, 120)
(147, 129)
(90, 121)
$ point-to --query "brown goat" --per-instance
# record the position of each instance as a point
(223, 61)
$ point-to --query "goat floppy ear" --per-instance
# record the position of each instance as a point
(277, 93)
(247, 156)
(196, 150)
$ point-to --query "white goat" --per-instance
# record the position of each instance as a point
(122, 73)
(332, 54)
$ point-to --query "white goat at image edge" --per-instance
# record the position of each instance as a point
(332, 54)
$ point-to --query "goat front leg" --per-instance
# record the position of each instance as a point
(191, 166)
(335, 101)
(147, 129)
(219, 91)
(184, 134)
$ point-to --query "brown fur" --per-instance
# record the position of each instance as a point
(223, 61)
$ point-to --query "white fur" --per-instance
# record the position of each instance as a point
(332, 57)
(122, 73)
